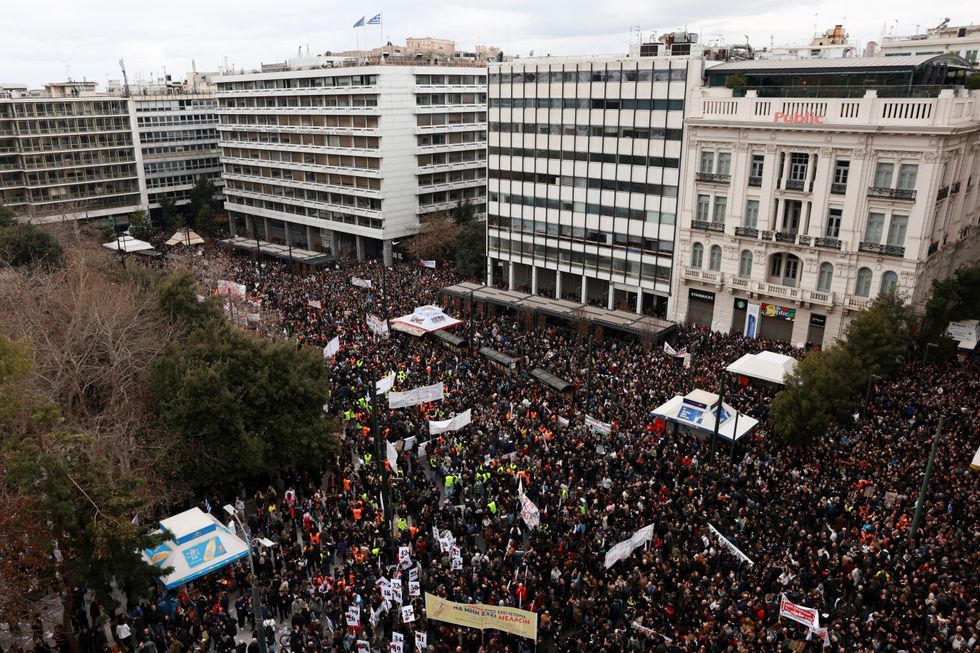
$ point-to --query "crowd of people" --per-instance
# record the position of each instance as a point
(825, 526)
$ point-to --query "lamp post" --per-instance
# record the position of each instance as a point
(718, 411)
(925, 482)
(588, 379)
(256, 597)
(925, 354)
(867, 395)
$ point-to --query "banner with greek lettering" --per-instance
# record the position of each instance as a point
(601, 427)
(670, 351)
(649, 632)
(529, 512)
(623, 550)
(454, 424)
(809, 617)
(332, 348)
(360, 283)
(734, 550)
(386, 384)
(416, 396)
(822, 633)
(377, 325)
(522, 623)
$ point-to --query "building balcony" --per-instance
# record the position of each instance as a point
(796, 184)
(857, 303)
(955, 188)
(451, 185)
(747, 232)
(818, 297)
(886, 250)
(786, 236)
(707, 276)
(905, 194)
(778, 290)
(704, 225)
(740, 282)
(803, 240)
(766, 234)
(838, 189)
(829, 243)
(755, 181)
(714, 178)
(942, 194)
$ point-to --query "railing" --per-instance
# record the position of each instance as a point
(892, 193)
(779, 291)
(829, 243)
(767, 235)
(943, 193)
(795, 184)
(876, 248)
(708, 226)
(955, 188)
(785, 237)
(704, 275)
(748, 232)
(713, 177)
(803, 240)
(740, 282)
(818, 297)
(858, 303)
(755, 181)
(838, 189)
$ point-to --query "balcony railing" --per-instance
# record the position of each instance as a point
(943, 193)
(755, 181)
(857, 303)
(714, 177)
(818, 297)
(795, 184)
(786, 236)
(740, 282)
(704, 275)
(748, 232)
(838, 189)
(767, 235)
(778, 290)
(892, 193)
(876, 248)
(803, 240)
(708, 226)
(830, 243)
(955, 188)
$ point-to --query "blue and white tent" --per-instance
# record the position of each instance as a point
(199, 544)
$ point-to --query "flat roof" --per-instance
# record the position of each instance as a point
(279, 251)
(554, 382)
(855, 64)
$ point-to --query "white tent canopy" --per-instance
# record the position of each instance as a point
(765, 366)
(424, 319)
(198, 545)
(966, 333)
(185, 236)
(697, 411)
(127, 243)
(976, 461)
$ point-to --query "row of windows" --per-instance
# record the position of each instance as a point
(301, 82)
(454, 176)
(181, 164)
(48, 109)
(322, 214)
(641, 133)
(162, 150)
(457, 195)
(438, 119)
(592, 157)
(339, 121)
(77, 142)
(587, 260)
(179, 119)
(68, 159)
(80, 175)
(443, 158)
(588, 76)
(425, 140)
(427, 99)
(66, 126)
(312, 101)
(440, 80)
(307, 194)
(180, 135)
(582, 234)
(326, 179)
(584, 207)
(178, 180)
(570, 181)
(84, 191)
(303, 158)
(586, 103)
(183, 104)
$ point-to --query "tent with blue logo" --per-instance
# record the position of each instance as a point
(199, 544)
(697, 411)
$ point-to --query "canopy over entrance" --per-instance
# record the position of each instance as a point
(185, 236)
(765, 366)
(198, 545)
(697, 410)
(128, 244)
(424, 319)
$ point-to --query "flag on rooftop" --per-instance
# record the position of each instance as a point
(375, 20)
(360, 23)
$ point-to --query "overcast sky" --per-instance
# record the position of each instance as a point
(46, 40)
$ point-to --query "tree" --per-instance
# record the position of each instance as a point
(169, 218)
(205, 220)
(24, 244)
(7, 216)
(201, 195)
(954, 298)
(821, 390)
(463, 212)
(140, 226)
(434, 238)
(471, 250)
(879, 337)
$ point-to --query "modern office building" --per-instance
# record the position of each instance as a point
(68, 152)
(584, 168)
(348, 155)
(813, 186)
(963, 40)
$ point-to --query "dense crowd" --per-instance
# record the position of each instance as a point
(827, 525)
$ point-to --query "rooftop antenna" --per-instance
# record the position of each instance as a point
(193, 76)
(122, 66)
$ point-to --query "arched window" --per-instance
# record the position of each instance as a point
(745, 264)
(697, 255)
(714, 258)
(889, 282)
(862, 287)
(825, 277)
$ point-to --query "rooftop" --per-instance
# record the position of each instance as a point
(850, 64)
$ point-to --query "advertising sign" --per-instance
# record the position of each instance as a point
(781, 312)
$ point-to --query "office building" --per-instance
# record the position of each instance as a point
(68, 152)
(963, 40)
(813, 186)
(347, 156)
(584, 163)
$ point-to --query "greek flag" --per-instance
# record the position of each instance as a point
(376, 20)
(360, 23)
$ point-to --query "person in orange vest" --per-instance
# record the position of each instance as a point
(357, 510)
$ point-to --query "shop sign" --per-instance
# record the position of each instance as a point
(781, 312)
(701, 295)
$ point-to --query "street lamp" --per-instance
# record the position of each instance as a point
(925, 354)
(867, 395)
(256, 600)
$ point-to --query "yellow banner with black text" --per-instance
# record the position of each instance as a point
(523, 623)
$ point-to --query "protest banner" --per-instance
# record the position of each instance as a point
(522, 623)
(416, 396)
(332, 348)
(360, 283)
(377, 325)
(670, 351)
(623, 550)
(809, 617)
(386, 384)
(454, 424)
(734, 550)
(602, 427)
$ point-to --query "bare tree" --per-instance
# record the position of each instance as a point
(435, 237)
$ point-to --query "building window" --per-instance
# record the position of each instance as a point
(833, 222)
(724, 163)
(745, 264)
(758, 162)
(876, 224)
(907, 172)
(842, 169)
(707, 161)
(889, 282)
(784, 269)
(896, 230)
(862, 287)
(798, 164)
(697, 255)
(720, 204)
(825, 277)
(703, 203)
(883, 174)
(751, 213)
(714, 258)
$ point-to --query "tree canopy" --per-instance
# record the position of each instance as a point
(25, 244)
